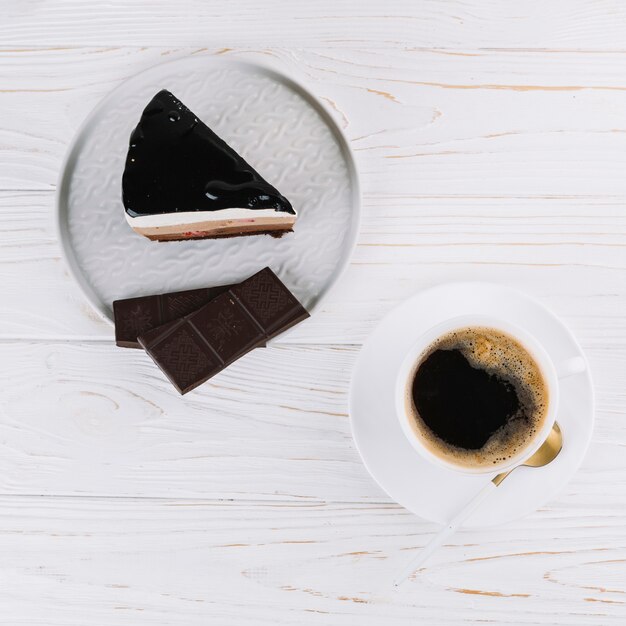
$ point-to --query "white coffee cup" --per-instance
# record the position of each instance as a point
(550, 371)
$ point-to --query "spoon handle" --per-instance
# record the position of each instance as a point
(447, 530)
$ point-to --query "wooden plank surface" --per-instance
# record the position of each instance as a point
(428, 23)
(92, 419)
(495, 122)
(491, 143)
(137, 561)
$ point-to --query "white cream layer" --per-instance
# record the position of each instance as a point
(195, 217)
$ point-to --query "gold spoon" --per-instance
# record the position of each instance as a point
(547, 452)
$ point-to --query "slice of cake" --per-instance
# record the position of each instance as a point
(182, 181)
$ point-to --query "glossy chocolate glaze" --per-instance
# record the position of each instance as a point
(176, 163)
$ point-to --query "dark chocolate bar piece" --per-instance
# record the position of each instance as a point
(194, 348)
(136, 316)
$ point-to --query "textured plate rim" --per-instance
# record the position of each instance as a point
(277, 73)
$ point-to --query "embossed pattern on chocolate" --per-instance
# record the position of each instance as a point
(187, 358)
(269, 298)
(138, 317)
(185, 302)
(227, 327)
(135, 316)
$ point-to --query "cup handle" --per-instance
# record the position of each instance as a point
(569, 367)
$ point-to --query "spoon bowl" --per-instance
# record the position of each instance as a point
(547, 452)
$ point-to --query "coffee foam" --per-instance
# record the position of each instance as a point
(497, 353)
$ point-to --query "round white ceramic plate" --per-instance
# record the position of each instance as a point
(436, 493)
(274, 123)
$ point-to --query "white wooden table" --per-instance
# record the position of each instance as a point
(491, 141)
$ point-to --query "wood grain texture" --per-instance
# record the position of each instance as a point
(429, 23)
(93, 419)
(491, 142)
(512, 123)
(132, 562)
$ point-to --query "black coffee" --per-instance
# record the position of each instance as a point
(477, 397)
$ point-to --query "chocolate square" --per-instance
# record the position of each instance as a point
(185, 358)
(268, 300)
(133, 317)
(227, 328)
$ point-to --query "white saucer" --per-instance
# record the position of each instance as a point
(435, 493)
